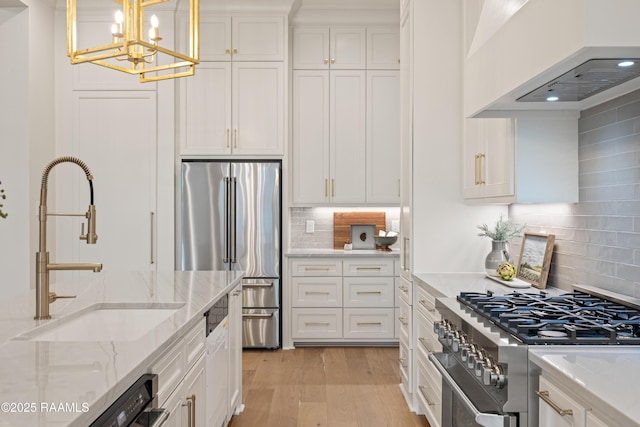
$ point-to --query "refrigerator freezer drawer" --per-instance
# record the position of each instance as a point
(261, 328)
(260, 293)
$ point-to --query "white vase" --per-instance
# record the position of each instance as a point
(499, 254)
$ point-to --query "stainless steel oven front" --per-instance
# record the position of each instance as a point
(485, 378)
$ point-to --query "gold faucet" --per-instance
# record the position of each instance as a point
(43, 266)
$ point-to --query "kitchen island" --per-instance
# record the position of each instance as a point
(70, 383)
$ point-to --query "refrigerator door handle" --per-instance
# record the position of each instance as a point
(226, 219)
(234, 217)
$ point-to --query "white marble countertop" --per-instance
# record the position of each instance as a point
(451, 284)
(606, 377)
(328, 252)
(86, 377)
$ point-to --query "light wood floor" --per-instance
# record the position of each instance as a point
(329, 386)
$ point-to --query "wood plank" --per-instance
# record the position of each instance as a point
(342, 224)
(301, 387)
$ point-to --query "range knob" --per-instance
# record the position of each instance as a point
(471, 360)
(464, 352)
(455, 345)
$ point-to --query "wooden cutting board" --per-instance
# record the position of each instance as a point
(342, 224)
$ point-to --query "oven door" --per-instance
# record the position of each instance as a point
(466, 404)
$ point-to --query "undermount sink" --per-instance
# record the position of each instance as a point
(104, 322)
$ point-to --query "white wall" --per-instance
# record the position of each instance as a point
(444, 228)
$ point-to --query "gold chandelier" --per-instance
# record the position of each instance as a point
(129, 51)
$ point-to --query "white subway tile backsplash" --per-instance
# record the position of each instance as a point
(598, 239)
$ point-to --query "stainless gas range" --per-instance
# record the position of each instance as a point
(486, 376)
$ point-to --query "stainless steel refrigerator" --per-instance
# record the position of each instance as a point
(230, 219)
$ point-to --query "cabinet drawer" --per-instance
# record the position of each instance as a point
(404, 290)
(405, 322)
(368, 291)
(427, 341)
(316, 323)
(316, 292)
(429, 392)
(368, 267)
(404, 359)
(194, 343)
(170, 369)
(316, 267)
(555, 396)
(368, 323)
(426, 304)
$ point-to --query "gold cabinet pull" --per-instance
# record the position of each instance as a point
(316, 269)
(235, 51)
(326, 187)
(544, 395)
(424, 394)
(423, 341)
(481, 169)
(424, 304)
(369, 323)
(227, 51)
(333, 187)
(235, 138)
(227, 138)
(191, 403)
(316, 292)
(368, 268)
(475, 169)
(316, 323)
(368, 293)
(333, 60)
(326, 60)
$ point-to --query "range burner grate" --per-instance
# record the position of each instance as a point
(571, 318)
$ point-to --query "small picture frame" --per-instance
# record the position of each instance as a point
(535, 258)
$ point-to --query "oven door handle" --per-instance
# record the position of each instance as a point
(484, 419)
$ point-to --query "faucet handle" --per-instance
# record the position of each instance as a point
(53, 296)
(91, 237)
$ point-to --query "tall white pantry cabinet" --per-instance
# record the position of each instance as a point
(345, 115)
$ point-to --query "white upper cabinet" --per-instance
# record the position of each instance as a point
(329, 48)
(205, 110)
(383, 48)
(242, 38)
(258, 108)
(310, 153)
(531, 159)
(235, 102)
(488, 158)
(383, 136)
(232, 109)
(347, 136)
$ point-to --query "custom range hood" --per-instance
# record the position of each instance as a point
(587, 79)
(570, 49)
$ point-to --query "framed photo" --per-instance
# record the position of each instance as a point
(535, 258)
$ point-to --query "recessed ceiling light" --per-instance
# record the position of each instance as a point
(625, 63)
(552, 98)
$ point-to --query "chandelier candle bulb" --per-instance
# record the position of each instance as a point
(154, 33)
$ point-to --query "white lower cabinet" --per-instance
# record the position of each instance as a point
(181, 379)
(428, 379)
(235, 352)
(405, 321)
(342, 300)
(562, 403)
(557, 408)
